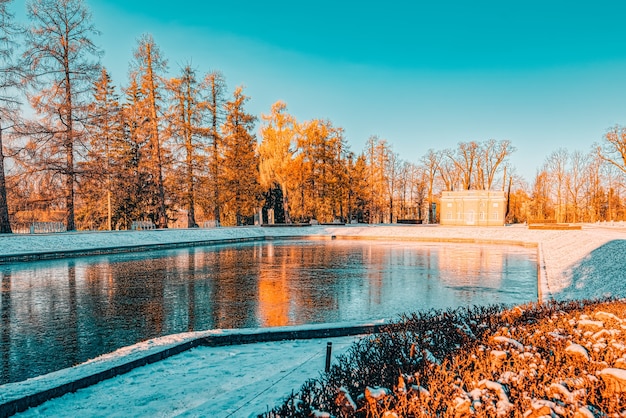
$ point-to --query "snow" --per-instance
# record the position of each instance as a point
(587, 323)
(506, 340)
(558, 391)
(503, 405)
(376, 393)
(615, 379)
(577, 350)
(240, 380)
(245, 380)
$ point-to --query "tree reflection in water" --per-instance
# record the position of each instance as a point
(55, 314)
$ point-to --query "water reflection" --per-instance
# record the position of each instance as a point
(58, 313)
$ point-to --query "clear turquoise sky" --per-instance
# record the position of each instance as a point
(543, 74)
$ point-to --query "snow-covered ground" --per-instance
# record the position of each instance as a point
(246, 380)
(238, 381)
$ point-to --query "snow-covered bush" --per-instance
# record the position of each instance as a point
(552, 359)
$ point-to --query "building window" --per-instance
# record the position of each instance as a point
(495, 216)
(482, 216)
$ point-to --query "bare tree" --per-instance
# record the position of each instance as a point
(541, 208)
(9, 80)
(575, 182)
(431, 162)
(61, 60)
(377, 154)
(448, 170)
(613, 149)
(392, 168)
(592, 185)
(556, 165)
(491, 155)
(466, 159)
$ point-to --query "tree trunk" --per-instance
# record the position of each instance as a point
(156, 141)
(191, 214)
(216, 186)
(187, 121)
(285, 203)
(5, 224)
(69, 186)
(69, 145)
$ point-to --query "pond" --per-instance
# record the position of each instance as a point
(55, 314)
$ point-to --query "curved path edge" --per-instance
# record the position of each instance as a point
(25, 401)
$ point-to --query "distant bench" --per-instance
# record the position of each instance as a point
(142, 225)
(554, 226)
(410, 221)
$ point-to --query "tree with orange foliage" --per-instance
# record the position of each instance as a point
(276, 151)
(241, 163)
(62, 61)
(216, 88)
(8, 103)
(149, 66)
(100, 176)
(189, 112)
(319, 166)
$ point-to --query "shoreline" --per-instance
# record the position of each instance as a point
(559, 252)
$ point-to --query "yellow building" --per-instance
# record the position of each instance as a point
(473, 207)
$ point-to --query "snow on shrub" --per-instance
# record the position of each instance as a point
(557, 358)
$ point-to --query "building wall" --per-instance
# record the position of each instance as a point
(473, 208)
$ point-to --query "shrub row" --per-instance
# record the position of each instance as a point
(481, 361)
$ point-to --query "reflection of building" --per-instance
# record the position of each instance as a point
(473, 207)
(469, 265)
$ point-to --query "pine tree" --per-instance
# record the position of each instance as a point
(241, 163)
(135, 191)
(105, 134)
(148, 66)
(216, 87)
(358, 188)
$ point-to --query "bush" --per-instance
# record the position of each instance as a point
(528, 361)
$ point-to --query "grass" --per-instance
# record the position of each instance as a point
(530, 361)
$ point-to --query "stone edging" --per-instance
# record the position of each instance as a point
(21, 404)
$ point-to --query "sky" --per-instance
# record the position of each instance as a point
(544, 75)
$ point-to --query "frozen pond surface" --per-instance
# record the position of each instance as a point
(55, 314)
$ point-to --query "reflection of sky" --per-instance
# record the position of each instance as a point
(57, 313)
